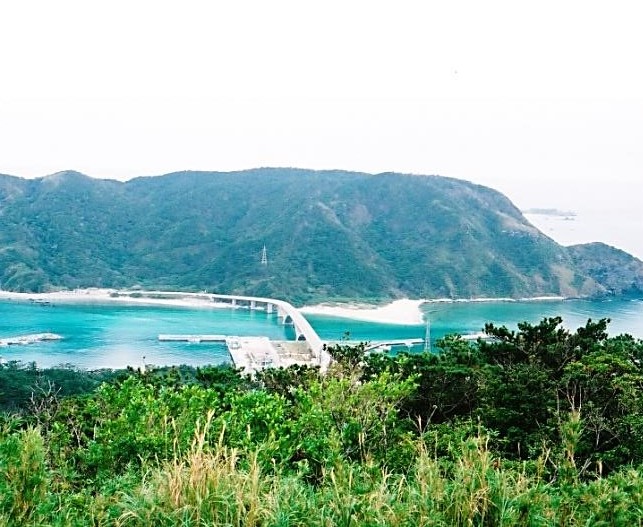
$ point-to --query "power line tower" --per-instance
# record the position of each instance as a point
(264, 256)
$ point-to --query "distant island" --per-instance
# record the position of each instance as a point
(301, 235)
(550, 212)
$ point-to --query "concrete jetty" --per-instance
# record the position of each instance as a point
(253, 353)
(373, 345)
(192, 338)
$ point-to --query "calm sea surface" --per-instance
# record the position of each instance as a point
(116, 336)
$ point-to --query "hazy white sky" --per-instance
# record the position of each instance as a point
(541, 100)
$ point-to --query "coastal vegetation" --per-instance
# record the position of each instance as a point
(328, 235)
(536, 425)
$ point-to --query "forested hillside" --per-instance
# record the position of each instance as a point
(328, 234)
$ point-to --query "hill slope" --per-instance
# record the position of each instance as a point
(329, 234)
(616, 270)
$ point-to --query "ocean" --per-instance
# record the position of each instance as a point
(115, 336)
(620, 229)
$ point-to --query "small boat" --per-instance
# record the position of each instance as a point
(42, 302)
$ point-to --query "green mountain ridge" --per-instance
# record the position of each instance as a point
(329, 235)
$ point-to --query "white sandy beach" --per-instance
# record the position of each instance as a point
(114, 296)
(404, 311)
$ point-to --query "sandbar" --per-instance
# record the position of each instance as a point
(404, 312)
(115, 296)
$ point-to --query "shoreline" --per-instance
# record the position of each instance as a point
(399, 312)
(403, 311)
(123, 297)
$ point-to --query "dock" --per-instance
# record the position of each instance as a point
(192, 338)
(252, 354)
(373, 345)
(388, 344)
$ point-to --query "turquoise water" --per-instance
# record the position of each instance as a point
(114, 336)
(626, 315)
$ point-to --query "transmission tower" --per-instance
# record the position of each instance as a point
(264, 256)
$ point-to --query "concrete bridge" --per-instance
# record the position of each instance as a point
(288, 313)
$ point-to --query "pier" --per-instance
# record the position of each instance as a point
(192, 338)
(378, 345)
(373, 345)
(253, 353)
(387, 344)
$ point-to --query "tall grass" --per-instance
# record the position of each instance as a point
(212, 484)
(23, 476)
(210, 487)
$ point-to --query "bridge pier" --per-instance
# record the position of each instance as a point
(299, 334)
(269, 308)
(253, 305)
(284, 316)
